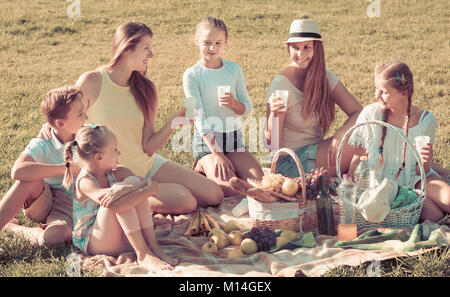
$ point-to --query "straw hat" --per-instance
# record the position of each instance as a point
(304, 30)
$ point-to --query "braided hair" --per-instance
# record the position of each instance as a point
(399, 77)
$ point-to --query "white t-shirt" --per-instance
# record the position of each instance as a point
(297, 132)
(48, 152)
(201, 83)
(368, 136)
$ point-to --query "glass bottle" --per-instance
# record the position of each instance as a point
(324, 210)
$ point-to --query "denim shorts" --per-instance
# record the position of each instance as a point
(307, 156)
(228, 142)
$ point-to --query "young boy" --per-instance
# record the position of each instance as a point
(39, 170)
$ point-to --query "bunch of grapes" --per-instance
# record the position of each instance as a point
(264, 237)
(312, 181)
(273, 182)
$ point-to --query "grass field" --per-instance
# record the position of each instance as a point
(41, 48)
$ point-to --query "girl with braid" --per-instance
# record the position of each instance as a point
(389, 154)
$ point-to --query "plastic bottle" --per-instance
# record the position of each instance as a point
(347, 227)
(325, 211)
(362, 177)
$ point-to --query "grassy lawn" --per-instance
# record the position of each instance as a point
(41, 48)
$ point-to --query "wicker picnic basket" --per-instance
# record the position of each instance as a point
(407, 215)
(297, 215)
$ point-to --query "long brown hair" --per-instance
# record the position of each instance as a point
(317, 101)
(127, 36)
(399, 76)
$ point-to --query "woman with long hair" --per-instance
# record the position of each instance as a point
(313, 91)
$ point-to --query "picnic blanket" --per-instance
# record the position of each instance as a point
(196, 263)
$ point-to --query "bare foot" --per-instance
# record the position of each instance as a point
(151, 262)
(161, 254)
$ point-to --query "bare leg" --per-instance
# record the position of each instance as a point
(173, 199)
(206, 165)
(205, 191)
(438, 192)
(245, 166)
(346, 157)
(144, 214)
(13, 201)
(108, 237)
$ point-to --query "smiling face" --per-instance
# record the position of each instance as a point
(139, 56)
(211, 42)
(301, 53)
(389, 96)
(110, 155)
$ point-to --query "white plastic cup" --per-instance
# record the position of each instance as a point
(421, 141)
(241, 208)
(189, 103)
(283, 94)
(221, 90)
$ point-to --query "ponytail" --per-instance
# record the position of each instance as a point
(68, 157)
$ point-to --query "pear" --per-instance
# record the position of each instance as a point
(235, 237)
(231, 225)
(235, 254)
(220, 240)
(291, 235)
(209, 247)
(215, 231)
(282, 240)
(249, 246)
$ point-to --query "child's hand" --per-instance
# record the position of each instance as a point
(45, 132)
(426, 154)
(228, 100)
(223, 168)
(152, 188)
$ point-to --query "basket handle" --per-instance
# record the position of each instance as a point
(349, 132)
(297, 162)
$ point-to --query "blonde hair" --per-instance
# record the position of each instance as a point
(399, 76)
(211, 22)
(56, 103)
(317, 100)
(89, 140)
(126, 37)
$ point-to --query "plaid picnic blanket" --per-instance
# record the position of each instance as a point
(196, 263)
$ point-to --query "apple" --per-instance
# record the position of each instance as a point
(209, 247)
(289, 187)
(231, 225)
(235, 237)
(220, 240)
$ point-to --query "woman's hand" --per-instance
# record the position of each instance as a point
(179, 119)
(277, 106)
(223, 168)
(45, 132)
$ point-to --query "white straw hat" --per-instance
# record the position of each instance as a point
(304, 30)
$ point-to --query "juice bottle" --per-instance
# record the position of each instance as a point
(347, 228)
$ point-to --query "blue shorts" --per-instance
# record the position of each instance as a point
(307, 156)
(228, 142)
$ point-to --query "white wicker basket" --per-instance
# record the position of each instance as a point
(407, 215)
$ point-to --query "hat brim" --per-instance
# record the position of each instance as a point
(302, 39)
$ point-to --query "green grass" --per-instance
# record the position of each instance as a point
(42, 48)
